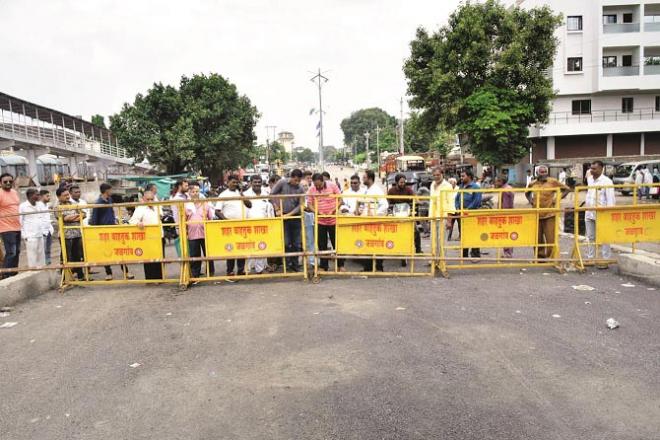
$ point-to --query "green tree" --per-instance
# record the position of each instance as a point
(304, 155)
(491, 55)
(419, 138)
(277, 152)
(365, 120)
(204, 125)
(98, 120)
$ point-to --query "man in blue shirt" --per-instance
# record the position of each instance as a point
(106, 216)
(470, 200)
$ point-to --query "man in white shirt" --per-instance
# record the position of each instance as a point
(595, 198)
(261, 208)
(149, 215)
(562, 176)
(47, 223)
(648, 180)
(351, 205)
(529, 178)
(375, 206)
(233, 210)
(639, 180)
(32, 228)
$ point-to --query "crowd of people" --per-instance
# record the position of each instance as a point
(310, 195)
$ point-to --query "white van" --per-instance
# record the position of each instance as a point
(625, 173)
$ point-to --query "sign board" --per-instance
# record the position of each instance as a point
(503, 229)
(632, 224)
(244, 238)
(375, 236)
(122, 244)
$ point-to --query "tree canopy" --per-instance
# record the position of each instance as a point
(365, 120)
(98, 120)
(204, 125)
(484, 75)
(277, 152)
(304, 155)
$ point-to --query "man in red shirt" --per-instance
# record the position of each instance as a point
(319, 200)
(10, 224)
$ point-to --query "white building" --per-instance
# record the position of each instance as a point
(287, 140)
(607, 78)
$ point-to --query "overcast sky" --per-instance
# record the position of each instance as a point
(86, 57)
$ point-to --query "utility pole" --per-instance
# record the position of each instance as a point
(378, 146)
(401, 149)
(366, 136)
(268, 127)
(320, 79)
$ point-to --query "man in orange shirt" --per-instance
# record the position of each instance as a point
(10, 224)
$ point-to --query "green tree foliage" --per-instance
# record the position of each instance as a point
(365, 120)
(419, 138)
(98, 120)
(486, 50)
(304, 155)
(330, 153)
(204, 125)
(278, 152)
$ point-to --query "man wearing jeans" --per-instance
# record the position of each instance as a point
(321, 202)
(597, 197)
(287, 208)
(10, 224)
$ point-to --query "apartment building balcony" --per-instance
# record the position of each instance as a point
(598, 122)
(652, 18)
(621, 19)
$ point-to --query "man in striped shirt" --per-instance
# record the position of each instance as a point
(319, 200)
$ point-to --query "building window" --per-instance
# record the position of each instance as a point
(574, 22)
(652, 60)
(626, 60)
(609, 19)
(627, 18)
(652, 19)
(627, 105)
(575, 64)
(609, 61)
(581, 107)
(657, 103)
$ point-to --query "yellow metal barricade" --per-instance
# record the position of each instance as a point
(373, 236)
(599, 224)
(519, 237)
(248, 239)
(85, 246)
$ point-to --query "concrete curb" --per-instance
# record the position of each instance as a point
(27, 285)
(643, 267)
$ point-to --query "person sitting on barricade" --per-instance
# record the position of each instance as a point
(106, 217)
(403, 207)
(145, 215)
(197, 211)
(321, 202)
(261, 208)
(467, 200)
(597, 197)
(71, 219)
(233, 210)
(376, 205)
(290, 209)
(546, 199)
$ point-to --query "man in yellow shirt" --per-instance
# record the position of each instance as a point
(442, 203)
(546, 198)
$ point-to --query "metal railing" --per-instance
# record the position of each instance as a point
(603, 116)
(652, 69)
(621, 71)
(619, 28)
(59, 137)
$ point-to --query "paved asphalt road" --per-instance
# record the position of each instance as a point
(479, 356)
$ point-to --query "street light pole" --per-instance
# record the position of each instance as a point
(378, 147)
(317, 78)
(366, 135)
